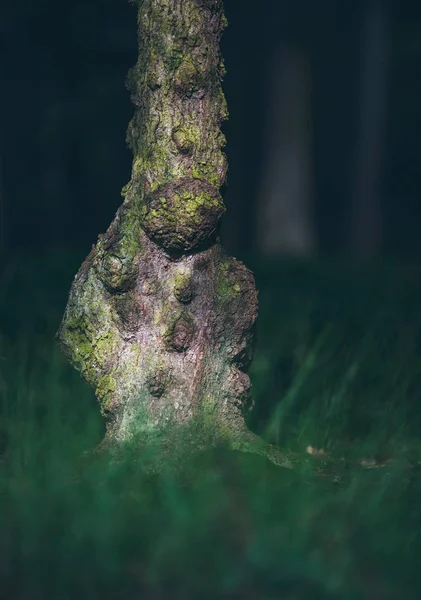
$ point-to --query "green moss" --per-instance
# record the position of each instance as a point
(226, 286)
(221, 139)
(208, 407)
(213, 167)
(163, 314)
(187, 77)
(138, 168)
(106, 384)
(115, 276)
(182, 285)
(104, 343)
(184, 139)
(223, 287)
(160, 164)
(187, 219)
(87, 334)
(223, 107)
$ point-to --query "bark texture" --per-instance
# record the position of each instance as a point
(159, 320)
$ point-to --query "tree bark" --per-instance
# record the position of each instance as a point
(159, 320)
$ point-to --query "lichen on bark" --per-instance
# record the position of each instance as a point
(159, 320)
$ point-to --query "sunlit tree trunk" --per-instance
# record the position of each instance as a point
(285, 199)
(159, 320)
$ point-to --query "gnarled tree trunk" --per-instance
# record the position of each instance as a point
(159, 320)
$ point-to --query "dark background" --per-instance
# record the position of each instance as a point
(337, 364)
(65, 109)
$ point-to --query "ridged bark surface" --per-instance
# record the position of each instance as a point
(159, 320)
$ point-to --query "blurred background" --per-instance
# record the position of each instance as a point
(324, 204)
(323, 137)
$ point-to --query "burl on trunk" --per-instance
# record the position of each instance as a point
(159, 320)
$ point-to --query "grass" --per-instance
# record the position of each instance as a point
(337, 372)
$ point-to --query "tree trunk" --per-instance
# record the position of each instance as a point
(159, 320)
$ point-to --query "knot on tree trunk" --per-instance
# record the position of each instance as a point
(182, 216)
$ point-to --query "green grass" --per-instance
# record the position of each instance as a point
(337, 367)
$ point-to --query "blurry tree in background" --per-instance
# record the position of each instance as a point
(285, 214)
(3, 224)
(366, 223)
(402, 181)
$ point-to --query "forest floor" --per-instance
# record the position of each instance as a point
(337, 384)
